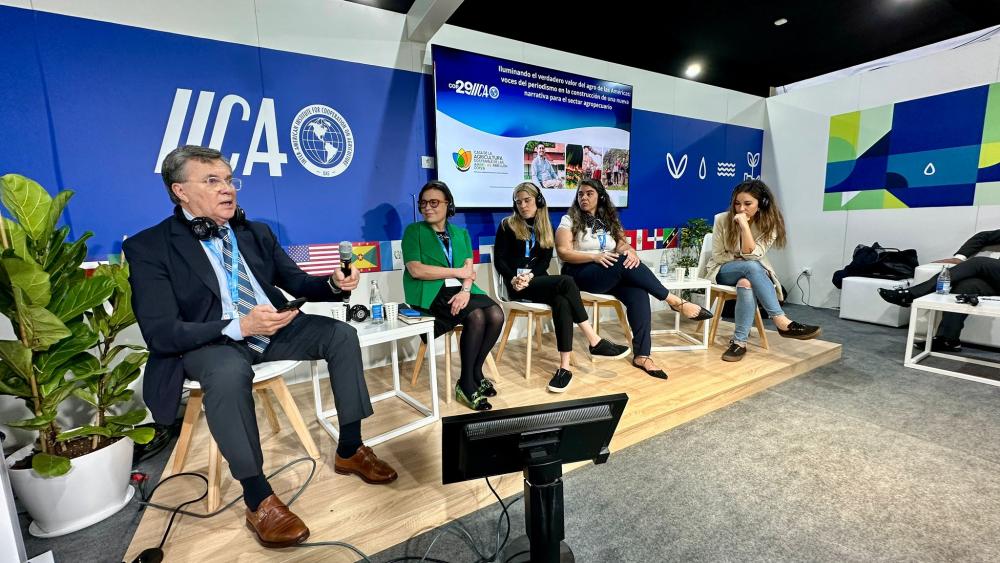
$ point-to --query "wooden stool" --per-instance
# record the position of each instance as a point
(266, 376)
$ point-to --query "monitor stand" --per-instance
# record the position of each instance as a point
(543, 515)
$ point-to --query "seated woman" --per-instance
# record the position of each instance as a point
(521, 255)
(741, 238)
(439, 279)
(591, 243)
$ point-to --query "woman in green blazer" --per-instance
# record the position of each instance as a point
(439, 279)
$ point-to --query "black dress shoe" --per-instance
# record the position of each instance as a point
(899, 296)
(941, 344)
(800, 331)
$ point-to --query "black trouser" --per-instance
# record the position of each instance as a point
(630, 286)
(979, 275)
(560, 293)
(226, 377)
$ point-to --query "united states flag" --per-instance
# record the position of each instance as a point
(316, 259)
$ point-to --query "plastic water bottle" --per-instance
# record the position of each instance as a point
(664, 268)
(944, 281)
(375, 302)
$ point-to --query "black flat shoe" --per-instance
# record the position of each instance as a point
(486, 388)
(607, 349)
(734, 353)
(800, 331)
(899, 296)
(657, 373)
(702, 315)
(477, 402)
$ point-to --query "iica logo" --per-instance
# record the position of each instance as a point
(463, 159)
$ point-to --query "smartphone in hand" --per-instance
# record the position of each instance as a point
(293, 304)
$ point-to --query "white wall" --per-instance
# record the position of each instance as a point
(795, 148)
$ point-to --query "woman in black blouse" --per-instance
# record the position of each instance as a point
(521, 254)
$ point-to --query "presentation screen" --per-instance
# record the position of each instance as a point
(500, 123)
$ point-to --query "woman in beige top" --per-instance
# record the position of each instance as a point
(741, 238)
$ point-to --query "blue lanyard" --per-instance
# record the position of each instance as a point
(449, 251)
(603, 238)
(529, 245)
(233, 275)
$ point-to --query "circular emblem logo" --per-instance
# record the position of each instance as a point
(322, 141)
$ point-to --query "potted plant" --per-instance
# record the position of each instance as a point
(692, 236)
(59, 314)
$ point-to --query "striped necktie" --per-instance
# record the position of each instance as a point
(246, 299)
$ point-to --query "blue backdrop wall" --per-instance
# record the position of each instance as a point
(92, 106)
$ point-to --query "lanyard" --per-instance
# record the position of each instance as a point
(233, 275)
(529, 245)
(603, 238)
(449, 251)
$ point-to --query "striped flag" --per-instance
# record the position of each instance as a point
(316, 259)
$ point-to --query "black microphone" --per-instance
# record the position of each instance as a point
(345, 263)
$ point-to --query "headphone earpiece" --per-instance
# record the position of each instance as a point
(540, 201)
(765, 203)
(204, 228)
(451, 208)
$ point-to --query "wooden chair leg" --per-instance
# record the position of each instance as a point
(265, 401)
(538, 333)
(492, 366)
(720, 301)
(506, 331)
(280, 390)
(214, 475)
(527, 349)
(191, 414)
(448, 391)
(421, 352)
(760, 328)
(597, 316)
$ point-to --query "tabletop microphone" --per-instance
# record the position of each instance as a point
(346, 255)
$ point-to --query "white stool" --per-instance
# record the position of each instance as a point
(860, 301)
(267, 375)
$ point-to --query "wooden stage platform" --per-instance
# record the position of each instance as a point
(373, 518)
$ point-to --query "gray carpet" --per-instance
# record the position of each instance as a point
(860, 460)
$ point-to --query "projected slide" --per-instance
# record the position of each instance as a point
(500, 123)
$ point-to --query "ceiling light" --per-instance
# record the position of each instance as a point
(693, 70)
(780, 21)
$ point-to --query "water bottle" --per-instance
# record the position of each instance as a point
(944, 281)
(375, 302)
(664, 268)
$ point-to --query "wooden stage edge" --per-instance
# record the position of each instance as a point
(373, 518)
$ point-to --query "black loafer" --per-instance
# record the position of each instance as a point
(900, 296)
(560, 381)
(800, 331)
(607, 349)
(734, 353)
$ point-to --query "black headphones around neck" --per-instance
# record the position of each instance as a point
(204, 228)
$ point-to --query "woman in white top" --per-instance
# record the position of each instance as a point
(741, 237)
(592, 245)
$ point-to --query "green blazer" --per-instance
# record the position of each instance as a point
(421, 244)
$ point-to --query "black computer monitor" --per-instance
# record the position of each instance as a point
(536, 440)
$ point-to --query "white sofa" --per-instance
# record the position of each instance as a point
(860, 301)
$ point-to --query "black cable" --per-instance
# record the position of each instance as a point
(509, 559)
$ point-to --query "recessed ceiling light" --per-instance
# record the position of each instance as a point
(692, 70)
(780, 21)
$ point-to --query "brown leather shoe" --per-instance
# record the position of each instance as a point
(365, 464)
(275, 525)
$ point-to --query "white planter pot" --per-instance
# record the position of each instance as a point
(96, 486)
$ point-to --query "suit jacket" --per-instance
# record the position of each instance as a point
(175, 295)
(978, 242)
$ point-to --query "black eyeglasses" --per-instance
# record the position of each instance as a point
(432, 203)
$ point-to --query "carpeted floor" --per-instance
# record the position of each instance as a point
(860, 460)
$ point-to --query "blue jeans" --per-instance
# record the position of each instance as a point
(762, 290)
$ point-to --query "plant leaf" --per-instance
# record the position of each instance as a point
(56, 208)
(82, 297)
(52, 399)
(131, 418)
(17, 357)
(18, 240)
(48, 465)
(28, 202)
(81, 339)
(83, 431)
(85, 396)
(127, 370)
(140, 435)
(36, 423)
(42, 328)
(30, 278)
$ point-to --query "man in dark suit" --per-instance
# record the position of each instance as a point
(205, 286)
(979, 275)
